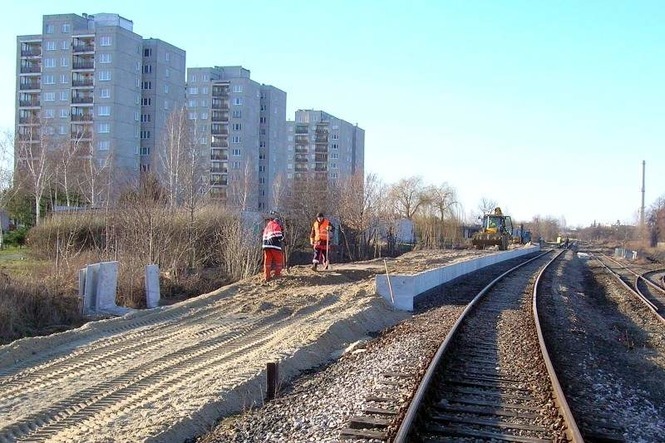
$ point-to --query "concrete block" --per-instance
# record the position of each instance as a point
(401, 290)
(152, 294)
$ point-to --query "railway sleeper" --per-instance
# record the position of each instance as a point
(446, 418)
(479, 410)
(476, 433)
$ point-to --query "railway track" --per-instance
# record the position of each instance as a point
(645, 282)
(489, 379)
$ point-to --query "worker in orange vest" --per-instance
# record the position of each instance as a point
(273, 255)
(319, 238)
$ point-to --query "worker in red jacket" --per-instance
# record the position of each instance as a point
(319, 238)
(273, 255)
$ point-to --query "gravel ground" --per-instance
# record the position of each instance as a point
(603, 372)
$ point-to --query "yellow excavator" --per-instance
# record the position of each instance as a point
(496, 230)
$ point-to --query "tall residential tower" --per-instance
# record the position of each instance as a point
(243, 124)
(92, 88)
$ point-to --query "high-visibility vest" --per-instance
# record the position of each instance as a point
(320, 230)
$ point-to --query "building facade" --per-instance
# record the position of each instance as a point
(88, 85)
(242, 122)
(323, 147)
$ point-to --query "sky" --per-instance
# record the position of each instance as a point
(547, 108)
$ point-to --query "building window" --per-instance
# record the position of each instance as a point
(105, 93)
(48, 80)
(235, 165)
(50, 29)
(104, 128)
(50, 46)
(104, 58)
(64, 62)
(193, 90)
(192, 115)
(147, 69)
(204, 90)
(147, 101)
(104, 110)
(235, 152)
(145, 150)
(64, 79)
(145, 118)
(49, 113)
(263, 120)
(237, 113)
(49, 63)
(49, 96)
(105, 40)
(167, 56)
(64, 113)
(237, 101)
(235, 139)
(104, 75)
(147, 52)
(145, 134)
(237, 88)
(166, 89)
(65, 28)
(237, 126)
(204, 116)
(147, 85)
(104, 145)
(262, 168)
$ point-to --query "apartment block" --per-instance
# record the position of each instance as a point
(243, 124)
(323, 147)
(91, 84)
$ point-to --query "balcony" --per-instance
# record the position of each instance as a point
(220, 117)
(220, 91)
(219, 131)
(29, 120)
(31, 69)
(81, 135)
(80, 65)
(302, 150)
(321, 168)
(219, 144)
(31, 52)
(82, 100)
(83, 47)
(321, 149)
(83, 83)
(27, 86)
(220, 104)
(320, 140)
(29, 103)
(81, 117)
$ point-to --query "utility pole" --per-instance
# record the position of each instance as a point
(642, 207)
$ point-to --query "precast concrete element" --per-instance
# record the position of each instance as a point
(403, 289)
(152, 286)
(99, 282)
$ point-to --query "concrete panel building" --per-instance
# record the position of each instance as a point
(324, 147)
(242, 122)
(90, 86)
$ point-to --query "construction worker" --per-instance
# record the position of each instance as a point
(319, 239)
(273, 255)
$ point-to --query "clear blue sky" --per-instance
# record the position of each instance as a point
(546, 107)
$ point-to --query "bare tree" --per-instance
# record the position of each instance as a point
(486, 205)
(408, 196)
(243, 186)
(33, 169)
